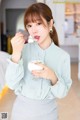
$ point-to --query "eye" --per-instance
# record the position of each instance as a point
(39, 23)
(28, 26)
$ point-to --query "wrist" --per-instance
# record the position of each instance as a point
(16, 57)
(54, 79)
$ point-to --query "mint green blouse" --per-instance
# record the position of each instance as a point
(20, 79)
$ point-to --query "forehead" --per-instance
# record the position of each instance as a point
(33, 18)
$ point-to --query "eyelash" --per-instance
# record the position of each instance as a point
(39, 23)
(29, 26)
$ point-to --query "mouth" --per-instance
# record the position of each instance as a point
(36, 38)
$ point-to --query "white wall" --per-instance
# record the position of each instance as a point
(58, 11)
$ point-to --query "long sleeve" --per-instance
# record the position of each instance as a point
(20, 79)
(61, 88)
(14, 75)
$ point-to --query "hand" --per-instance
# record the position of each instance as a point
(45, 73)
(17, 44)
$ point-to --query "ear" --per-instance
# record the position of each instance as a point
(51, 23)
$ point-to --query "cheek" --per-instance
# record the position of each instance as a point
(29, 31)
(45, 32)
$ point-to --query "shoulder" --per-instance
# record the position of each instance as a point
(60, 52)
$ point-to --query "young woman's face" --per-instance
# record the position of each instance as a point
(39, 31)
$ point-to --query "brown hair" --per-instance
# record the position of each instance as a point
(37, 11)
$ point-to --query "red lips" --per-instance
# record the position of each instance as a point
(36, 37)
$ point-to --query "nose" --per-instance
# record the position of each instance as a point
(34, 29)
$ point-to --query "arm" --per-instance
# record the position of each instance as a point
(15, 71)
(60, 80)
(14, 74)
(61, 88)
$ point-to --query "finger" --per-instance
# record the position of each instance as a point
(19, 34)
(18, 39)
(21, 39)
(41, 64)
(36, 73)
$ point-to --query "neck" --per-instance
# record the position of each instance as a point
(46, 44)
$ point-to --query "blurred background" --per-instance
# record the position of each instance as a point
(67, 22)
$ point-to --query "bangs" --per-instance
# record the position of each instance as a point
(32, 17)
(33, 14)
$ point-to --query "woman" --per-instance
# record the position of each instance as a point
(37, 89)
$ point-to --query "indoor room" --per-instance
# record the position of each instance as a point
(66, 17)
